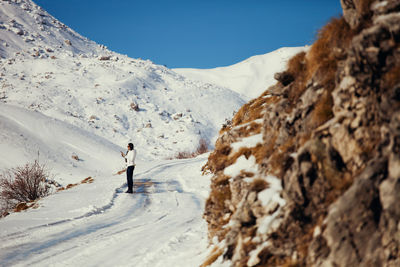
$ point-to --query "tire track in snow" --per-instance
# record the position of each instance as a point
(158, 169)
(42, 250)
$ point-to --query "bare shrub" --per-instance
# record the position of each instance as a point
(201, 149)
(185, 155)
(25, 184)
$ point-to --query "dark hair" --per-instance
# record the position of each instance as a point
(130, 146)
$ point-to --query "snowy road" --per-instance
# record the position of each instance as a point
(159, 225)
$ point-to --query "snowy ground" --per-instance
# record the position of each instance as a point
(159, 225)
(98, 224)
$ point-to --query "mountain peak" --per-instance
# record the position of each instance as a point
(25, 26)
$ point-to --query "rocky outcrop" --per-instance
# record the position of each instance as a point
(331, 137)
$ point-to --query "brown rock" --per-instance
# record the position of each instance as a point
(332, 135)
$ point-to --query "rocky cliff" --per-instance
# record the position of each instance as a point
(308, 174)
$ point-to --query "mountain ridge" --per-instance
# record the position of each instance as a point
(250, 77)
(26, 26)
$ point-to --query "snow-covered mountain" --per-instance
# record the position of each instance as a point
(65, 76)
(250, 77)
(120, 99)
(25, 26)
(75, 105)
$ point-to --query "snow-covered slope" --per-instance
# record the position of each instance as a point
(24, 26)
(250, 77)
(174, 113)
(60, 99)
(97, 89)
(98, 224)
(25, 133)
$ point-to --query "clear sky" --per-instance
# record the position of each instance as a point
(195, 33)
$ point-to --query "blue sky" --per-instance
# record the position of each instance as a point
(197, 34)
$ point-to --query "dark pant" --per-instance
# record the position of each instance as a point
(129, 177)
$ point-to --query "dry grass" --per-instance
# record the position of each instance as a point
(220, 158)
(322, 111)
(217, 160)
(279, 156)
(87, 180)
(251, 128)
(365, 8)
(69, 186)
(253, 110)
(258, 185)
(318, 66)
(321, 60)
(216, 208)
(214, 255)
(290, 263)
(303, 242)
(24, 206)
(320, 63)
(20, 207)
(297, 67)
(392, 77)
(258, 152)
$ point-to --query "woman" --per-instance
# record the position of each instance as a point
(130, 164)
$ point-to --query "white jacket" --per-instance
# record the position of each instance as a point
(130, 158)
